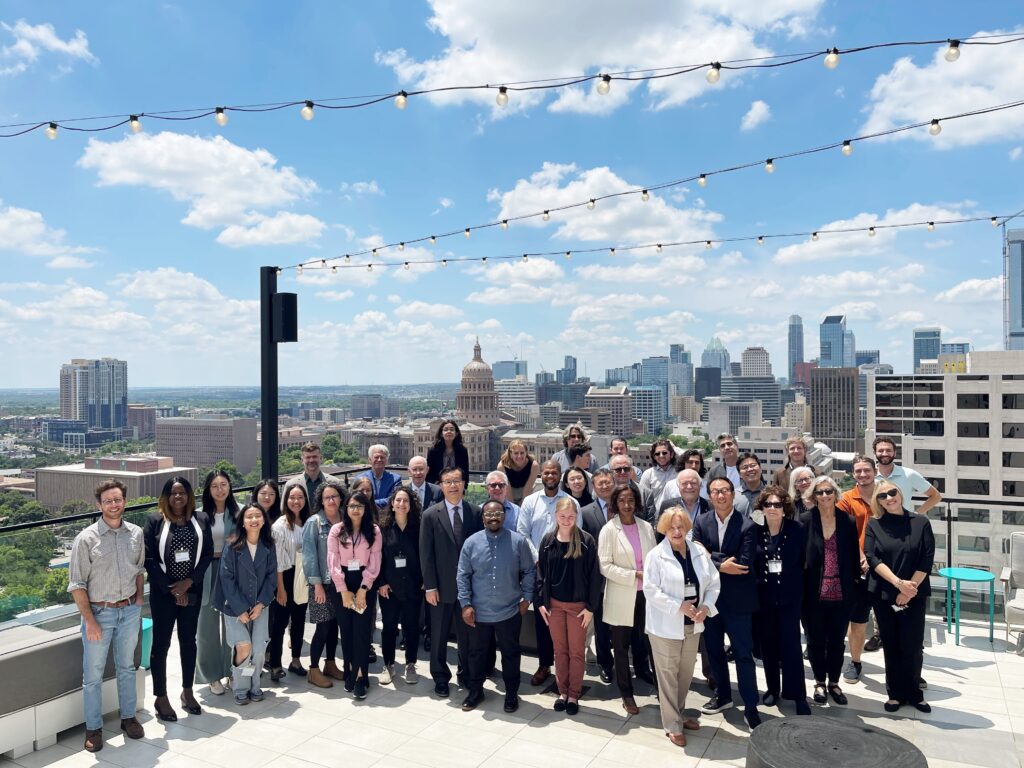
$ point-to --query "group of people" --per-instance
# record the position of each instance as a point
(661, 566)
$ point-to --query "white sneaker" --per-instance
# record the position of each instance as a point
(217, 688)
(388, 674)
(411, 675)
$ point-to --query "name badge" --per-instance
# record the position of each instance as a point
(690, 590)
(181, 556)
(354, 565)
(399, 562)
(249, 671)
(774, 566)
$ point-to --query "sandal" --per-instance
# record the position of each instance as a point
(837, 694)
(819, 693)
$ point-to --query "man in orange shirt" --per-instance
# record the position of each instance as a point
(856, 502)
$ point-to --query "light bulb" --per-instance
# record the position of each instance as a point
(374, 253)
(334, 269)
(279, 271)
(814, 236)
(220, 117)
(307, 111)
(369, 267)
(657, 248)
(323, 262)
(832, 59)
(953, 52)
(847, 148)
(135, 124)
(401, 246)
(433, 240)
(484, 260)
(707, 244)
(591, 204)
(715, 73)
(444, 262)
(347, 258)
(931, 226)
(995, 221)
(407, 265)
(525, 257)
(547, 216)
(401, 99)
(760, 239)
(604, 85)
(504, 223)
(51, 131)
(645, 195)
(466, 233)
(935, 128)
(871, 231)
(702, 180)
(568, 255)
(769, 166)
(502, 98)
(298, 270)
(611, 251)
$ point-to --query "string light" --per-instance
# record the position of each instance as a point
(769, 166)
(847, 148)
(707, 244)
(307, 111)
(525, 258)
(348, 259)
(591, 204)
(814, 236)
(375, 253)
(401, 99)
(504, 223)
(502, 98)
(466, 233)
(334, 269)
(832, 58)
(407, 265)
(604, 85)
(568, 255)
(433, 240)
(298, 270)
(871, 231)
(702, 180)
(657, 248)
(135, 124)
(931, 226)
(611, 251)
(401, 246)
(760, 239)
(51, 131)
(369, 267)
(935, 128)
(547, 216)
(995, 222)
(714, 74)
(645, 195)
(220, 117)
(953, 51)
(444, 262)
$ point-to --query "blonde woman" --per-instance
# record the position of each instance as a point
(521, 469)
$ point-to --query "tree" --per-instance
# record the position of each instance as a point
(31, 512)
(76, 507)
(55, 587)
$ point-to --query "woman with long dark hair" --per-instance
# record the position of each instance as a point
(329, 499)
(266, 496)
(353, 558)
(214, 654)
(400, 584)
(178, 552)
(576, 483)
(448, 452)
(248, 574)
(287, 532)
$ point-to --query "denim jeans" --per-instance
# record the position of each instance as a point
(255, 633)
(121, 628)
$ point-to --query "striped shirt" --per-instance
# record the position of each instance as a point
(105, 561)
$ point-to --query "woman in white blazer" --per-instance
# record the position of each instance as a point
(681, 584)
(621, 548)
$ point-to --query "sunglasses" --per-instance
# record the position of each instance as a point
(622, 470)
(772, 505)
(661, 453)
(888, 494)
(825, 492)
(496, 485)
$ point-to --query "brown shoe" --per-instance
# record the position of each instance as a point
(629, 704)
(317, 678)
(679, 739)
(94, 740)
(331, 670)
(132, 728)
(542, 674)
(691, 725)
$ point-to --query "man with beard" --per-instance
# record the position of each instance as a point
(910, 482)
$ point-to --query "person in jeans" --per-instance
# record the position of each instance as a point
(105, 577)
(179, 550)
(568, 591)
(400, 585)
(286, 610)
(248, 581)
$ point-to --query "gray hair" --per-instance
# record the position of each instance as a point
(498, 474)
(378, 448)
(793, 475)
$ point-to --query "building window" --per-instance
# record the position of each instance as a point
(938, 482)
(929, 428)
(1013, 488)
(1013, 377)
(972, 378)
(1013, 431)
(972, 543)
(940, 541)
(975, 429)
(1013, 517)
(928, 401)
(973, 487)
(972, 458)
(1013, 401)
(972, 515)
(1013, 459)
(971, 401)
(888, 401)
(928, 456)
(938, 512)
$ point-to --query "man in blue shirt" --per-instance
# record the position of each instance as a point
(495, 582)
(497, 490)
(384, 482)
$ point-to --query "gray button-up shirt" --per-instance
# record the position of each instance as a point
(105, 561)
(496, 572)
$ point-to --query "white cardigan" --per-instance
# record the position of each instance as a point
(664, 588)
(619, 567)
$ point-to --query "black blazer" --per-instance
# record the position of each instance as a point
(586, 572)
(158, 580)
(439, 553)
(786, 588)
(431, 493)
(847, 547)
(435, 462)
(592, 519)
(407, 582)
(906, 544)
(739, 593)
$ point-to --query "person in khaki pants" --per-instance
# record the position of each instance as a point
(681, 585)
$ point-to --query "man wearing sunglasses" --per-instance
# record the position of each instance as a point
(497, 490)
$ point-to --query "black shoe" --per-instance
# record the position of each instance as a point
(277, 673)
(511, 702)
(360, 688)
(296, 668)
(819, 693)
(837, 695)
(461, 681)
(873, 644)
(802, 708)
(472, 700)
(923, 706)
(891, 706)
(373, 655)
(606, 676)
(770, 699)
(729, 654)
(714, 706)
(441, 690)
(752, 717)
(350, 684)
(426, 643)
(647, 676)
(572, 708)
(559, 705)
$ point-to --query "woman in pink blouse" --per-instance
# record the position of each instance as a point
(353, 559)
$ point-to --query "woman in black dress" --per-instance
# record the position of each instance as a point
(400, 584)
(447, 452)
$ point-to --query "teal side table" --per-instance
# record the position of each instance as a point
(974, 575)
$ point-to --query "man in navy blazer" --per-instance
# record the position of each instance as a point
(731, 540)
(428, 493)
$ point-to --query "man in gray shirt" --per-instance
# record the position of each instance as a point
(105, 578)
(495, 582)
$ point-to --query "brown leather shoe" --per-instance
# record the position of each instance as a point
(132, 728)
(691, 725)
(679, 739)
(318, 678)
(542, 674)
(94, 740)
(629, 704)
(331, 670)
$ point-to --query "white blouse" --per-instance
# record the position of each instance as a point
(287, 542)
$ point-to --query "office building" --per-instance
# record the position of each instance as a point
(866, 356)
(618, 401)
(515, 392)
(750, 388)
(628, 374)
(569, 395)
(543, 378)
(684, 408)
(723, 414)
(755, 362)
(509, 369)
(834, 411)
(567, 373)
(707, 383)
(141, 421)
(927, 345)
(680, 375)
(769, 445)
(832, 335)
(205, 441)
(955, 348)
(802, 373)
(797, 415)
(1013, 290)
(95, 391)
(367, 406)
(796, 345)
(649, 405)
(735, 369)
(849, 349)
(715, 355)
(863, 372)
(144, 476)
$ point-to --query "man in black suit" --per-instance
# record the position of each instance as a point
(594, 516)
(731, 540)
(445, 527)
(428, 494)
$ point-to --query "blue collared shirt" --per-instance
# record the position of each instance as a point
(537, 515)
(496, 573)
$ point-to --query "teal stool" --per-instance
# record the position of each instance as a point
(973, 575)
(147, 642)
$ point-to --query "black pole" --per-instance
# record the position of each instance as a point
(268, 372)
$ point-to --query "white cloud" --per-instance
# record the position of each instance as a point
(225, 185)
(758, 113)
(514, 293)
(973, 290)
(490, 324)
(31, 40)
(856, 310)
(420, 310)
(24, 231)
(494, 42)
(590, 309)
(360, 189)
(335, 295)
(669, 270)
(906, 318)
(664, 324)
(446, 202)
(896, 281)
(984, 76)
(536, 270)
(933, 245)
(766, 290)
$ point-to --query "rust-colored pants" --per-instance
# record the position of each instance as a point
(570, 641)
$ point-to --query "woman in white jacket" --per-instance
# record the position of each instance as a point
(681, 585)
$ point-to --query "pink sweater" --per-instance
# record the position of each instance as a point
(338, 556)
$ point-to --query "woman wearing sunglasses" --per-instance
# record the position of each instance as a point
(831, 571)
(657, 477)
(900, 549)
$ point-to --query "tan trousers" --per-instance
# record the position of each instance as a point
(673, 663)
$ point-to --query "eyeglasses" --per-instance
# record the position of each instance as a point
(451, 483)
(622, 470)
(750, 468)
(496, 486)
(661, 453)
(772, 505)
(824, 492)
(889, 494)
(720, 492)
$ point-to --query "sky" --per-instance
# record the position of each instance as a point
(147, 246)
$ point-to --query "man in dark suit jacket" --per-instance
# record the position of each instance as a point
(731, 540)
(593, 518)
(428, 493)
(445, 527)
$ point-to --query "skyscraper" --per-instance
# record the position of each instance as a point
(567, 373)
(708, 383)
(750, 388)
(509, 369)
(1013, 289)
(834, 411)
(755, 362)
(849, 349)
(927, 344)
(95, 391)
(715, 355)
(680, 369)
(833, 335)
(866, 356)
(796, 345)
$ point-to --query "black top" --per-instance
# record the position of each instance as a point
(906, 544)
(583, 572)
(783, 587)
(561, 573)
(184, 540)
(161, 580)
(435, 462)
(738, 594)
(689, 576)
(406, 582)
(517, 477)
(847, 548)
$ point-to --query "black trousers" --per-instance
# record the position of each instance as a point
(778, 627)
(356, 631)
(407, 612)
(545, 648)
(482, 639)
(324, 642)
(602, 638)
(166, 613)
(739, 628)
(902, 636)
(442, 616)
(280, 617)
(624, 638)
(825, 624)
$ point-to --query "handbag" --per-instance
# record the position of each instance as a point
(300, 591)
